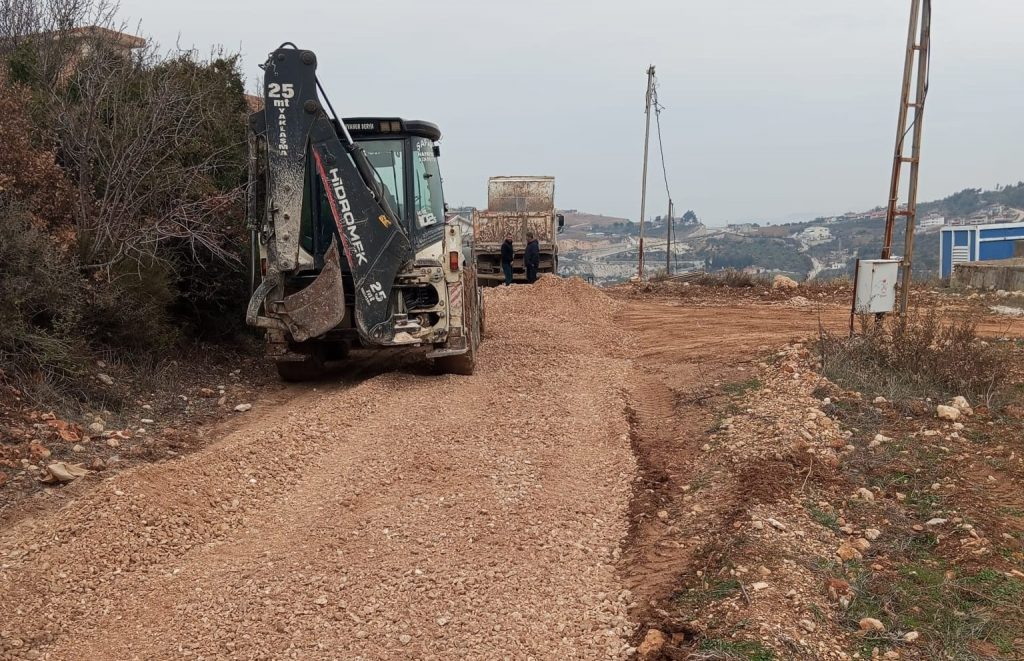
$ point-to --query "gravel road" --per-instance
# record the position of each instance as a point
(409, 516)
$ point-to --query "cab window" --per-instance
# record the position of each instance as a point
(428, 200)
(388, 159)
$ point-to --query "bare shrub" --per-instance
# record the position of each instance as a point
(917, 356)
(41, 338)
(122, 176)
(732, 278)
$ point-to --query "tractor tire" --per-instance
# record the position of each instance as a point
(463, 365)
(466, 363)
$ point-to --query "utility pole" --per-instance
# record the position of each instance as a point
(668, 240)
(643, 190)
(919, 41)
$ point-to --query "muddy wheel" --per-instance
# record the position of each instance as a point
(466, 363)
(300, 370)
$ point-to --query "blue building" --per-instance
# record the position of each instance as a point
(976, 243)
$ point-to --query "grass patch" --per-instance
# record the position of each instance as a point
(715, 649)
(739, 388)
(695, 599)
(732, 278)
(826, 519)
(957, 613)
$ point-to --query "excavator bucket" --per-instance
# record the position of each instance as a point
(319, 307)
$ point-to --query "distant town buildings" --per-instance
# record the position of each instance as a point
(993, 214)
(743, 228)
(812, 236)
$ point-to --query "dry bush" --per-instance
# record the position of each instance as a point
(121, 193)
(29, 172)
(732, 278)
(917, 356)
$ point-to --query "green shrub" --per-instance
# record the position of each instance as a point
(128, 307)
(41, 326)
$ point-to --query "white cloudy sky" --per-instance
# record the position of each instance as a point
(774, 108)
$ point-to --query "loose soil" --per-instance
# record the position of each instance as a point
(655, 459)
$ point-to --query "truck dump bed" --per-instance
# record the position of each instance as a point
(516, 206)
(491, 227)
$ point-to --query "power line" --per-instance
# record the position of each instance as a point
(669, 255)
(661, 149)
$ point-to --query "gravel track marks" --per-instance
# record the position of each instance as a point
(408, 516)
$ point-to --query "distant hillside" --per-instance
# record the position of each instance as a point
(834, 244)
(821, 248)
(972, 200)
(591, 221)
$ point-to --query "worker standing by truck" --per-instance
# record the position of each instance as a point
(532, 258)
(515, 206)
(508, 253)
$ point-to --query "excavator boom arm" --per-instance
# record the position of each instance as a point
(300, 133)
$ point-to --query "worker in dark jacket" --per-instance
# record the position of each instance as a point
(507, 254)
(532, 258)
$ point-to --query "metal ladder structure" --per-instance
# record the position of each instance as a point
(915, 73)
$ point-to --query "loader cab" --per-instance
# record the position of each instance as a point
(403, 154)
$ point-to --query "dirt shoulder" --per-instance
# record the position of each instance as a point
(138, 414)
(783, 517)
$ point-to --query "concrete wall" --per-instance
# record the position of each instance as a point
(1005, 274)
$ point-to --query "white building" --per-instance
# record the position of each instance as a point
(815, 235)
(932, 221)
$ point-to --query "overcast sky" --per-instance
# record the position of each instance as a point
(775, 109)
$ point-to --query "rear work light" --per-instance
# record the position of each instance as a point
(453, 261)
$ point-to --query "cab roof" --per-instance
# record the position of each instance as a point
(372, 126)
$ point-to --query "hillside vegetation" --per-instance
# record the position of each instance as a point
(121, 198)
(789, 248)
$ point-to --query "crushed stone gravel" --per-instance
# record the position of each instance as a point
(408, 516)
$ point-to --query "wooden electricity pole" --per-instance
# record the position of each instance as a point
(643, 189)
(919, 41)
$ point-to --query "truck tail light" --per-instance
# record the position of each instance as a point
(263, 266)
(453, 261)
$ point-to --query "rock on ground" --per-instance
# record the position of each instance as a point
(782, 282)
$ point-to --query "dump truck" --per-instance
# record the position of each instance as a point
(516, 206)
(350, 245)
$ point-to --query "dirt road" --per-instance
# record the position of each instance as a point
(410, 515)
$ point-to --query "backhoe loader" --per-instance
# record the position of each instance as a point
(350, 245)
